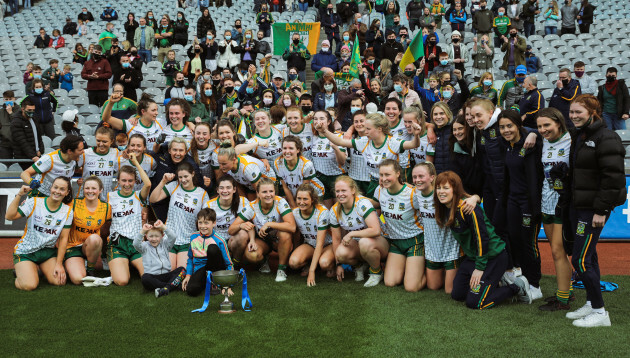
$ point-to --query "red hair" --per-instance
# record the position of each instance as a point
(443, 215)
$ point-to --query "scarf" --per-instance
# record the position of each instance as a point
(612, 87)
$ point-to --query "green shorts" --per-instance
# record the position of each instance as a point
(329, 185)
(408, 247)
(364, 186)
(180, 248)
(551, 219)
(76, 251)
(38, 257)
(449, 265)
(407, 175)
(122, 248)
(369, 193)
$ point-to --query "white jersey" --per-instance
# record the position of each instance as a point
(439, 243)
(400, 211)
(294, 177)
(225, 217)
(399, 131)
(249, 170)
(306, 136)
(353, 220)
(324, 157)
(104, 166)
(553, 153)
(126, 213)
(274, 148)
(150, 133)
(390, 149)
(205, 159)
(254, 213)
(357, 169)
(147, 163)
(309, 227)
(184, 133)
(43, 227)
(51, 166)
(183, 208)
(419, 155)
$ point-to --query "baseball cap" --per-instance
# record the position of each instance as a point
(247, 103)
(278, 75)
(529, 47)
(108, 5)
(521, 70)
(69, 115)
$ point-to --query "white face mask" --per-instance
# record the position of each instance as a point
(325, 49)
(267, 101)
(286, 102)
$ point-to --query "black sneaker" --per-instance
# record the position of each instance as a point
(90, 272)
(553, 306)
(555, 298)
(159, 292)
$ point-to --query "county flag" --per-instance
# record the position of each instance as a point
(355, 60)
(414, 51)
(283, 31)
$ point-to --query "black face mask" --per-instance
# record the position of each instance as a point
(216, 82)
(133, 53)
(391, 41)
(611, 78)
(512, 34)
(455, 40)
(483, 7)
(180, 83)
(432, 42)
(296, 41)
(96, 57)
(237, 26)
(565, 83)
(306, 109)
(396, 22)
(197, 50)
(229, 89)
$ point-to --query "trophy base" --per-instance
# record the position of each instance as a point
(226, 312)
(226, 308)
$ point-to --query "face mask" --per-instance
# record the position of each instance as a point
(325, 49)
(512, 34)
(456, 40)
(96, 57)
(180, 83)
(432, 42)
(229, 89)
(354, 109)
(216, 82)
(398, 88)
(150, 16)
(579, 73)
(286, 102)
(267, 101)
(208, 92)
(447, 94)
(249, 90)
(209, 37)
(237, 26)
(306, 109)
(610, 78)
(228, 38)
(566, 82)
(487, 82)
(371, 62)
(29, 114)
(179, 18)
(207, 77)
(197, 50)
(328, 87)
(378, 69)
(126, 65)
(248, 36)
(122, 147)
(396, 23)
(39, 90)
(133, 53)
(296, 41)
(500, 13)
(409, 73)
(188, 97)
(37, 77)
(85, 12)
(346, 37)
(8, 103)
(345, 55)
(483, 7)
(143, 26)
(519, 79)
(292, 77)
(330, 9)
(443, 62)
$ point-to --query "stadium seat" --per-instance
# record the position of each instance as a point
(15, 167)
(56, 142)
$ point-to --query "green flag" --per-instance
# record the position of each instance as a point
(414, 51)
(355, 60)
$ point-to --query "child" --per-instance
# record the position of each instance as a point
(155, 259)
(208, 252)
(82, 27)
(121, 141)
(52, 74)
(36, 75)
(66, 79)
(28, 75)
(170, 68)
(437, 10)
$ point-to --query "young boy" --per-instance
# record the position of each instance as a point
(66, 79)
(501, 25)
(437, 10)
(170, 68)
(158, 276)
(52, 74)
(121, 141)
(208, 252)
(445, 66)
(37, 74)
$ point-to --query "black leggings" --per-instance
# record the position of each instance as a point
(151, 282)
(214, 262)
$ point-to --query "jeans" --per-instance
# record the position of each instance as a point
(27, 4)
(145, 55)
(613, 121)
(551, 30)
(530, 29)
(303, 6)
(511, 71)
(15, 5)
(275, 8)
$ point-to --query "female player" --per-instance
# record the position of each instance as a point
(555, 151)
(126, 205)
(202, 147)
(328, 158)
(425, 151)
(442, 117)
(477, 279)
(358, 169)
(269, 224)
(267, 142)
(48, 221)
(227, 206)
(226, 134)
(178, 111)
(186, 199)
(363, 241)
(521, 198)
(148, 125)
(100, 161)
(295, 126)
(393, 111)
(293, 169)
(86, 242)
(399, 207)
(245, 169)
(137, 146)
(376, 146)
(312, 224)
(598, 186)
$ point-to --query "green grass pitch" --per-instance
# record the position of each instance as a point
(291, 320)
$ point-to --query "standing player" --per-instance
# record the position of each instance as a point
(178, 112)
(358, 169)
(147, 124)
(328, 158)
(293, 169)
(304, 131)
(397, 129)
(48, 222)
(202, 147)
(186, 199)
(126, 205)
(100, 161)
(245, 169)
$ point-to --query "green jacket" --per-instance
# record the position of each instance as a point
(51, 76)
(198, 109)
(519, 52)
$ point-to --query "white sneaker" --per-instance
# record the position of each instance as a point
(580, 312)
(524, 294)
(536, 293)
(373, 280)
(518, 271)
(360, 272)
(593, 320)
(265, 266)
(105, 265)
(281, 276)
(507, 279)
